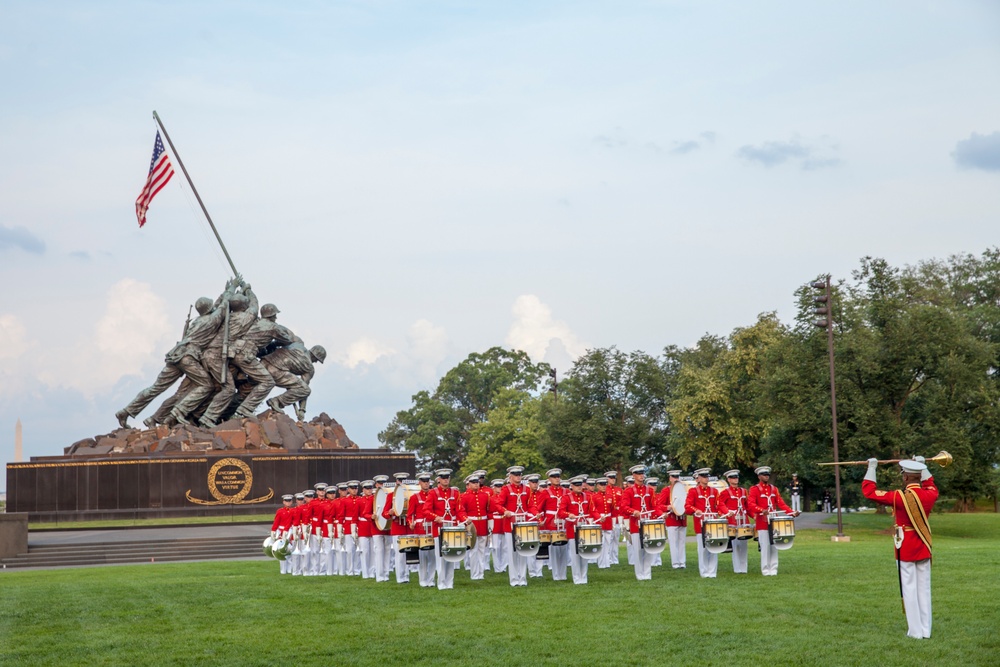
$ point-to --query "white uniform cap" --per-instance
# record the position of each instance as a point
(401, 475)
(674, 473)
(515, 470)
(731, 473)
(652, 481)
(912, 466)
(443, 472)
(640, 469)
(554, 472)
(762, 470)
(702, 472)
(611, 473)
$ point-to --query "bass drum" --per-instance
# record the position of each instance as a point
(382, 496)
(678, 497)
(401, 496)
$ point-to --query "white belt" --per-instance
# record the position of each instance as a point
(552, 512)
(477, 518)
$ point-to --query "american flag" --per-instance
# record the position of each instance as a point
(160, 173)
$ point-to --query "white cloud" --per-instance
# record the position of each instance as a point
(130, 338)
(415, 364)
(535, 332)
(13, 337)
(364, 350)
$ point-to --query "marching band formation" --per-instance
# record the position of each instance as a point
(376, 528)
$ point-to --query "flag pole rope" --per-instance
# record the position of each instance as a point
(204, 210)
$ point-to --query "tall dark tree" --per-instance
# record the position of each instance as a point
(437, 426)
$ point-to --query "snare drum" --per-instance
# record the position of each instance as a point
(426, 542)
(715, 534)
(781, 529)
(527, 539)
(559, 538)
(545, 537)
(408, 542)
(454, 542)
(653, 535)
(589, 541)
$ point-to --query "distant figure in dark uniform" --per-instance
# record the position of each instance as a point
(827, 501)
(795, 491)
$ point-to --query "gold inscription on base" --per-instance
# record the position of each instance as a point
(229, 482)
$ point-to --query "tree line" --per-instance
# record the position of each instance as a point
(917, 352)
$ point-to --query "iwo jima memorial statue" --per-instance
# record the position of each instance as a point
(205, 450)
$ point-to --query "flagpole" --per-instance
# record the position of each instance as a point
(204, 210)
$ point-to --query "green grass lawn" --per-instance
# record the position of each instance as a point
(831, 604)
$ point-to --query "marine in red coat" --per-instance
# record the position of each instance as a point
(443, 504)
(762, 499)
(284, 517)
(911, 508)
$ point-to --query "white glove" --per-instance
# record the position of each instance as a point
(925, 475)
(919, 459)
(872, 465)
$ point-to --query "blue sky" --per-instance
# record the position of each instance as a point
(414, 181)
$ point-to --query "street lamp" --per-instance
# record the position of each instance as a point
(824, 308)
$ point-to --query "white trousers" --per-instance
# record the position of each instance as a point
(740, 556)
(768, 555)
(445, 569)
(325, 561)
(796, 502)
(534, 567)
(608, 544)
(285, 566)
(677, 539)
(297, 562)
(366, 565)
(642, 560)
(577, 564)
(630, 549)
(517, 569)
(402, 569)
(558, 561)
(916, 579)
(313, 557)
(617, 541)
(425, 570)
(501, 551)
(708, 563)
(826, 507)
(477, 559)
(352, 556)
(380, 554)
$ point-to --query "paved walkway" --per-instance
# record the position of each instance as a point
(104, 536)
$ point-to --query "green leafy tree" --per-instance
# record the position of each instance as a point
(437, 426)
(510, 435)
(608, 414)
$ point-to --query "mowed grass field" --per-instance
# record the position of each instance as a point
(831, 604)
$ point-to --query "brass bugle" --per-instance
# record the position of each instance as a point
(943, 459)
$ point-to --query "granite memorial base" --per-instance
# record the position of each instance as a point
(181, 484)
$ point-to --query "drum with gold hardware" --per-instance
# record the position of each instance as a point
(715, 534)
(653, 535)
(527, 538)
(454, 543)
(410, 546)
(678, 496)
(741, 530)
(557, 538)
(781, 530)
(401, 496)
(589, 540)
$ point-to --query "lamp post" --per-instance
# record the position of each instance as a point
(824, 308)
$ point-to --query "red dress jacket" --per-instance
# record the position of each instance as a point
(443, 503)
(733, 499)
(913, 548)
(701, 499)
(637, 498)
(577, 504)
(478, 508)
(764, 498)
(397, 525)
